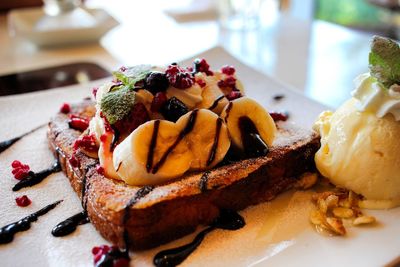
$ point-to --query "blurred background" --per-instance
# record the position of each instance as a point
(314, 46)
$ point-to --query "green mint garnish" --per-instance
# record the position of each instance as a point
(130, 76)
(116, 104)
(384, 61)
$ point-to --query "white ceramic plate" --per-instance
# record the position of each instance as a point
(276, 234)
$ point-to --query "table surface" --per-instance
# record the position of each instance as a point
(318, 58)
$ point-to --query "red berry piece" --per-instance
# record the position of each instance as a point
(100, 170)
(20, 171)
(136, 117)
(234, 95)
(201, 82)
(158, 101)
(74, 161)
(228, 70)
(279, 116)
(103, 138)
(23, 201)
(121, 262)
(65, 108)
(87, 143)
(178, 77)
(156, 82)
(201, 65)
(94, 91)
(78, 123)
(228, 82)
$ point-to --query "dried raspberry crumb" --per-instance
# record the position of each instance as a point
(65, 108)
(201, 82)
(179, 77)
(201, 65)
(234, 95)
(158, 101)
(23, 201)
(86, 142)
(122, 68)
(279, 116)
(228, 82)
(100, 170)
(74, 161)
(20, 171)
(228, 70)
(94, 91)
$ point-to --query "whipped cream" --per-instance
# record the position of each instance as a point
(373, 97)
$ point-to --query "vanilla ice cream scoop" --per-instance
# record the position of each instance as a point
(361, 152)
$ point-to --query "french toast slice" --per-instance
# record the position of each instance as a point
(145, 217)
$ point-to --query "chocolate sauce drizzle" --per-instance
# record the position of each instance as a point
(7, 143)
(69, 225)
(204, 181)
(216, 101)
(227, 220)
(213, 150)
(188, 128)
(7, 232)
(228, 109)
(253, 144)
(152, 146)
(34, 178)
(109, 257)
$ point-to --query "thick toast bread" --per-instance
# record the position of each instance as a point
(149, 216)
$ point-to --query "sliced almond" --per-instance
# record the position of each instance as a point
(364, 220)
(343, 213)
(336, 225)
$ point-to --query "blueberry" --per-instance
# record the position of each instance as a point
(173, 109)
(156, 82)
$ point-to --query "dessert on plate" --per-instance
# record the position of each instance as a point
(167, 150)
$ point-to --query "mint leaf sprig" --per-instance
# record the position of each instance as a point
(116, 104)
(384, 61)
(130, 76)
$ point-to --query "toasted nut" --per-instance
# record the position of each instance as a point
(322, 195)
(317, 218)
(364, 220)
(336, 225)
(353, 199)
(345, 203)
(332, 201)
(322, 205)
(343, 212)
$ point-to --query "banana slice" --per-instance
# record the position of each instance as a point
(213, 97)
(246, 113)
(208, 138)
(153, 153)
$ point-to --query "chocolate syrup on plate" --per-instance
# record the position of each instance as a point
(188, 128)
(7, 232)
(278, 97)
(253, 144)
(69, 225)
(7, 143)
(34, 178)
(227, 220)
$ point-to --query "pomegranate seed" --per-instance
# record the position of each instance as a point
(234, 95)
(86, 142)
(228, 70)
(178, 77)
(95, 250)
(74, 161)
(20, 171)
(65, 108)
(79, 124)
(23, 201)
(279, 116)
(158, 101)
(100, 170)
